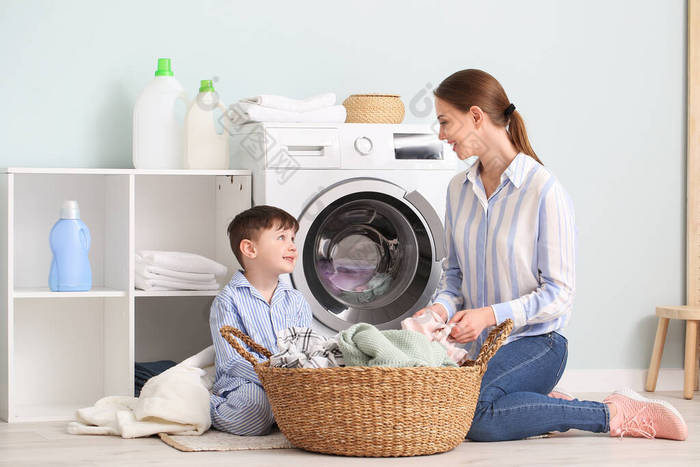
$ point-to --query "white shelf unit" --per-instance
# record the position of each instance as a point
(64, 350)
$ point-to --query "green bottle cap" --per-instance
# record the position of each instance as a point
(206, 85)
(164, 67)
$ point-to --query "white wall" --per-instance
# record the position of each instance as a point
(601, 85)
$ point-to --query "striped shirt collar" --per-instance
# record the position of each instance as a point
(239, 280)
(515, 172)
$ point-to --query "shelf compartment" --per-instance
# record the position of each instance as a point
(104, 207)
(192, 220)
(68, 354)
(171, 328)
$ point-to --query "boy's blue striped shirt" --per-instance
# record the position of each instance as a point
(240, 305)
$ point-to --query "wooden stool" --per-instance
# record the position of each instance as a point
(691, 316)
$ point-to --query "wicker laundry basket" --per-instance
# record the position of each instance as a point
(373, 411)
(374, 108)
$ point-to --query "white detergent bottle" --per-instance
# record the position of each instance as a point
(205, 148)
(157, 135)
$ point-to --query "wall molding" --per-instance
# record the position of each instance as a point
(578, 381)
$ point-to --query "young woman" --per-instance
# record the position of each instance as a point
(510, 254)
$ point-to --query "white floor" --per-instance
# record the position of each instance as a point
(49, 444)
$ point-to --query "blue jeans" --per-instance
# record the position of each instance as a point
(513, 402)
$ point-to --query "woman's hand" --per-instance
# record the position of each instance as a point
(436, 307)
(470, 323)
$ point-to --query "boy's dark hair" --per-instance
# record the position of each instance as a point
(248, 224)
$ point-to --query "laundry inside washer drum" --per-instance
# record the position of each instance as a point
(365, 254)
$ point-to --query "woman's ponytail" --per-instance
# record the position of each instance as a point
(518, 135)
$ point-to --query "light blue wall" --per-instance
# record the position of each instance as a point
(601, 85)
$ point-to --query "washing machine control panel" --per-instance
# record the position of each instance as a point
(390, 147)
(363, 145)
(351, 146)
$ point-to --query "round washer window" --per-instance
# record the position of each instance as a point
(367, 257)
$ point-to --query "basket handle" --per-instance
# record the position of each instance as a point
(228, 333)
(494, 341)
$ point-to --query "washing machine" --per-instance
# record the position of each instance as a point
(370, 200)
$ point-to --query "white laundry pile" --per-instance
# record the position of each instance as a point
(269, 108)
(305, 348)
(175, 401)
(175, 270)
(431, 324)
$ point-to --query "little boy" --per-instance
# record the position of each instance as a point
(259, 304)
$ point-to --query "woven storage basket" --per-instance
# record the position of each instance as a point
(373, 411)
(374, 108)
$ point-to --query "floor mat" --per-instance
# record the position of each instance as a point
(214, 440)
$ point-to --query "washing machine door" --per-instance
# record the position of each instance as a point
(369, 252)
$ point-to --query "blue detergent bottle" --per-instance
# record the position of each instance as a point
(70, 243)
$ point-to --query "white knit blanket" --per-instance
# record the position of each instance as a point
(175, 401)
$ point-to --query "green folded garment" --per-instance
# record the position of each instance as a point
(365, 345)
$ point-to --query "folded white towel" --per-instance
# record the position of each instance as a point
(155, 272)
(294, 105)
(175, 401)
(143, 283)
(245, 112)
(181, 261)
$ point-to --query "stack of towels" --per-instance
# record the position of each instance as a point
(175, 270)
(268, 108)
